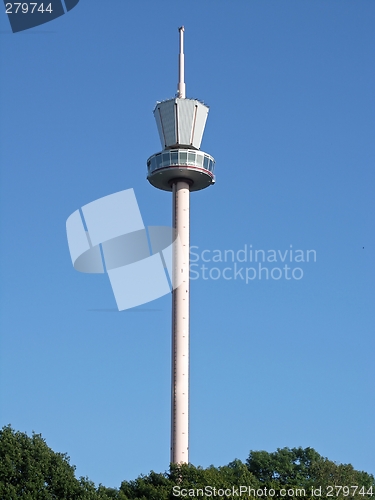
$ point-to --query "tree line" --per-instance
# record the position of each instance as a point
(30, 470)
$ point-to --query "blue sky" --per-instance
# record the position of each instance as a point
(274, 363)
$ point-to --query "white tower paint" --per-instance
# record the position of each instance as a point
(180, 167)
(180, 326)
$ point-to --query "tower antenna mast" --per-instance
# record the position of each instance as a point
(181, 88)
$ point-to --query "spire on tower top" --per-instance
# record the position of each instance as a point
(181, 91)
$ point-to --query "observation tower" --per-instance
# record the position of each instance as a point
(180, 167)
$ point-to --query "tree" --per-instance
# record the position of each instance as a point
(285, 466)
(188, 477)
(305, 468)
(328, 473)
(30, 470)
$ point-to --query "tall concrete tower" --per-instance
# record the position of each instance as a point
(180, 167)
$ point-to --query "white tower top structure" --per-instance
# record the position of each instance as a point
(180, 167)
(181, 122)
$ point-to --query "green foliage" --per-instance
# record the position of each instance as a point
(327, 473)
(155, 486)
(30, 470)
(187, 476)
(305, 468)
(284, 467)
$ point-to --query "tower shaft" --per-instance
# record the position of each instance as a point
(180, 325)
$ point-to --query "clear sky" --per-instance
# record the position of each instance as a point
(274, 362)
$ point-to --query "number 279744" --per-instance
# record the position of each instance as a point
(27, 8)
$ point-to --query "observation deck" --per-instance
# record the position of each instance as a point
(170, 165)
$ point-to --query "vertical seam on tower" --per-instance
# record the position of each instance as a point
(162, 127)
(193, 128)
(177, 123)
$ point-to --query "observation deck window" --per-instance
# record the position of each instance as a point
(158, 161)
(166, 159)
(174, 157)
(191, 158)
(183, 157)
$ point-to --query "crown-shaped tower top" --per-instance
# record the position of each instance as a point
(181, 121)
